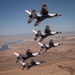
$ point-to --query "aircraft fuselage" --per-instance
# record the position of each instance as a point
(49, 15)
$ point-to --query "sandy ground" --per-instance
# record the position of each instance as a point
(59, 60)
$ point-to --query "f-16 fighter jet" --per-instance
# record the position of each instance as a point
(28, 54)
(47, 32)
(40, 16)
(45, 47)
(31, 64)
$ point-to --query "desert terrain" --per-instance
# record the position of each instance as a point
(59, 60)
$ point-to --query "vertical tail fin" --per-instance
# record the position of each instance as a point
(16, 54)
(34, 31)
(40, 43)
(32, 15)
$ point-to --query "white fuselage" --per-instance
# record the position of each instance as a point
(49, 15)
(38, 15)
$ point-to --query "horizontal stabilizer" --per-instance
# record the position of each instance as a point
(16, 54)
(37, 63)
(34, 31)
(40, 44)
(47, 45)
(27, 11)
(22, 63)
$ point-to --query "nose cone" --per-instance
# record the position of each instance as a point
(59, 14)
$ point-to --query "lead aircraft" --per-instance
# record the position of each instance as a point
(40, 16)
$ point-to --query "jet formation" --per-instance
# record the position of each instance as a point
(44, 13)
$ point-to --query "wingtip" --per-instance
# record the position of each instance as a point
(29, 22)
(35, 25)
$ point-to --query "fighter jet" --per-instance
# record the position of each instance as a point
(40, 16)
(31, 64)
(27, 55)
(47, 32)
(45, 47)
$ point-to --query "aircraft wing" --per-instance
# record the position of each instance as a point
(34, 31)
(30, 20)
(32, 14)
(47, 45)
(56, 44)
(43, 33)
(54, 32)
(37, 63)
(35, 54)
(42, 39)
(38, 21)
(44, 9)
